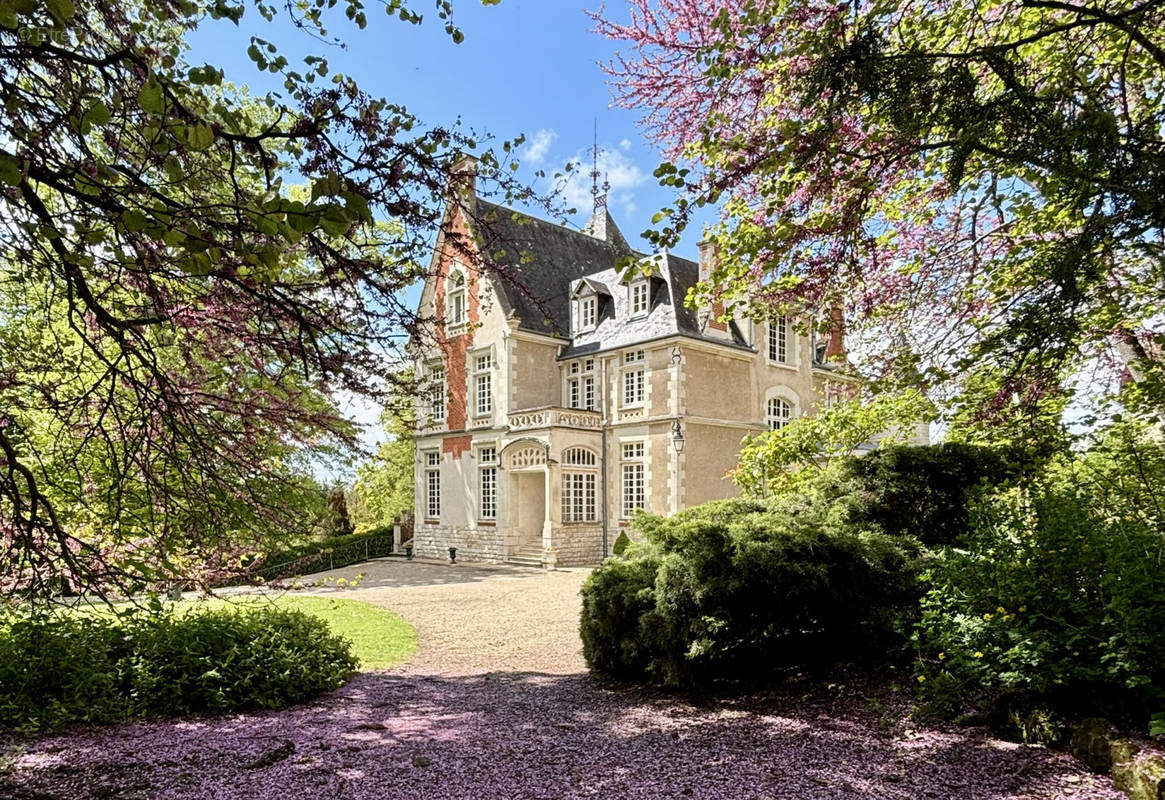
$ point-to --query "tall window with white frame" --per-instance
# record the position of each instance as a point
(633, 375)
(579, 481)
(432, 485)
(483, 384)
(639, 298)
(588, 312)
(437, 394)
(487, 483)
(580, 384)
(779, 341)
(779, 412)
(456, 299)
(634, 478)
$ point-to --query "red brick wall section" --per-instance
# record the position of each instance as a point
(456, 348)
(714, 321)
(456, 446)
(836, 349)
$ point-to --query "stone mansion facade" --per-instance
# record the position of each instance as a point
(560, 396)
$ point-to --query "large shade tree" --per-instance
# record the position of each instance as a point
(188, 276)
(980, 185)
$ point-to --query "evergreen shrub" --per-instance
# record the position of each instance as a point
(746, 590)
(60, 667)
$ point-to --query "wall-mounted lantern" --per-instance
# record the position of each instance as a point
(677, 436)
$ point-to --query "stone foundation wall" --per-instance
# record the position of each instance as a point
(473, 544)
(579, 545)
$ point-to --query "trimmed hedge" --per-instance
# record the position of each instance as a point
(332, 553)
(94, 667)
(744, 590)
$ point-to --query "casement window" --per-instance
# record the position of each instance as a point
(432, 485)
(639, 299)
(633, 378)
(778, 413)
(437, 394)
(779, 341)
(634, 478)
(455, 292)
(580, 386)
(587, 312)
(487, 483)
(579, 486)
(633, 387)
(483, 384)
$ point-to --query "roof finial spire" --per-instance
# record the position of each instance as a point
(600, 196)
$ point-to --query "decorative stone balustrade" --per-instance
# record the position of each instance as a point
(553, 416)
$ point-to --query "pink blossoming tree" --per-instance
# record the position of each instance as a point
(981, 186)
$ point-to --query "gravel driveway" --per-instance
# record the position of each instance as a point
(472, 618)
(496, 706)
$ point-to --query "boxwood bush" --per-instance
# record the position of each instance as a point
(95, 667)
(745, 590)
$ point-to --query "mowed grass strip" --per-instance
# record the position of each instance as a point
(380, 639)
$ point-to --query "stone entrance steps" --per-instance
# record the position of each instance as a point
(526, 555)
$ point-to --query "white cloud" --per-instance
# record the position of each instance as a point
(623, 175)
(538, 147)
(625, 145)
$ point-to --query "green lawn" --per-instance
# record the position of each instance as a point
(380, 639)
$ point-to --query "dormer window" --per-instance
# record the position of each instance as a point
(588, 308)
(587, 304)
(639, 298)
(456, 297)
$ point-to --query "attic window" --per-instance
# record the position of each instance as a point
(587, 312)
(639, 297)
(456, 292)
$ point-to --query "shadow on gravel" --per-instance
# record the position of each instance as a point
(397, 573)
(525, 735)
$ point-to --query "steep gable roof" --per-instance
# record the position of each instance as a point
(535, 261)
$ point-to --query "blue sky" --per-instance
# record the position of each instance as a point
(525, 66)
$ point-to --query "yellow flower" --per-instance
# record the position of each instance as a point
(922, 679)
(987, 617)
(978, 654)
(941, 656)
(1001, 610)
(1022, 609)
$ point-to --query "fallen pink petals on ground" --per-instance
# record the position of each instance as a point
(514, 735)
(496, 706)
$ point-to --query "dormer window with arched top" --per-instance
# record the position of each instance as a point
(455, 299)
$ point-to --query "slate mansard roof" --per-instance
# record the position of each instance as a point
(538, 262)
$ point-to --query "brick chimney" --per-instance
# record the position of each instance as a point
(462, 182)
(710, 317)
(835, 351)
